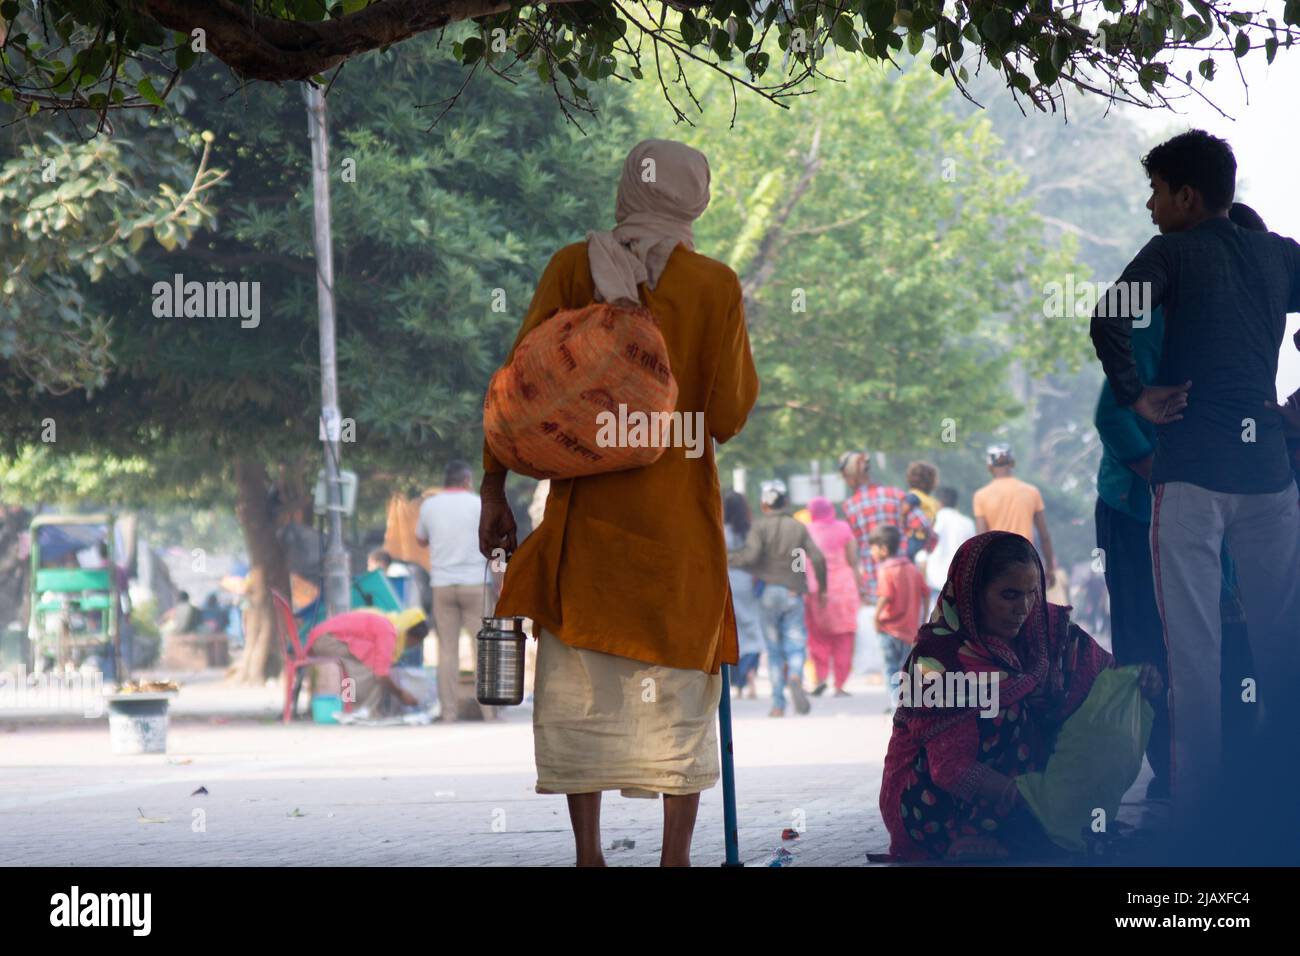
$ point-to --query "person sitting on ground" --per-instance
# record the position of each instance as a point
(949, 787)
(363, 641)
(181, 618)
(213, 616)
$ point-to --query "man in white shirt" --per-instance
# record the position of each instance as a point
(952, 528)
(448, 524)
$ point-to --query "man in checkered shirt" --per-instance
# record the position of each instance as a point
(870, 506)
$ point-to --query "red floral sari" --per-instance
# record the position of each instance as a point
(939, 755)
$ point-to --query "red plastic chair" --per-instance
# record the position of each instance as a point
(296, 657)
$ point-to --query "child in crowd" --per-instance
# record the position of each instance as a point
(902, 594)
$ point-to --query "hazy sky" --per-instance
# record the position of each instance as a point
(1263, 126)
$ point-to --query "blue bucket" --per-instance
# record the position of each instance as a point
(325, 708)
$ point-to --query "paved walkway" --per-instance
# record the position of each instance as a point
(459, 795)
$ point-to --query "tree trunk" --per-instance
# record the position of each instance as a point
(268, 569)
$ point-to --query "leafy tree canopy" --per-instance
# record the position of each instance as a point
(891, 267)
(74, 210)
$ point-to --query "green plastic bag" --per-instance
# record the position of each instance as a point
(1098, 755)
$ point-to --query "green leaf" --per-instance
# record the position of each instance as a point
(1060, 52)
(1242, 46)
(1045, 72)
(1207, 68)
(996, 27)
(744, 34)
(472, 49)
(9, 9)
(879, 15)
(915, 43)
(939, 63)
(842, 32)
(1270, 49)
(146, 90)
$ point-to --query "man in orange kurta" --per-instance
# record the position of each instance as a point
(634, 563)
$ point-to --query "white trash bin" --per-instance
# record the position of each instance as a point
(137, 723)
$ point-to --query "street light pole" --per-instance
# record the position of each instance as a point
(335, 564)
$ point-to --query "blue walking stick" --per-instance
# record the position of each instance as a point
(728, 775)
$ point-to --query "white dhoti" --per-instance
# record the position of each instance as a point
(603, 722)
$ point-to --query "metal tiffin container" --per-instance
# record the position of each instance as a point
(499, 680)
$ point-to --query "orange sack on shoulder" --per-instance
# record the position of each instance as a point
(542, 412)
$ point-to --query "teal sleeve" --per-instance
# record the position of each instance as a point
(1122, 432)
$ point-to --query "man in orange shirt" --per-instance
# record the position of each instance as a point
(1008, 504)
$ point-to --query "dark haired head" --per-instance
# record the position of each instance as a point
(1247, 218)
(1002, 554)
(183, 595)
(456, 475)
(887, 536)
(947, 496)
(735, 513)
(922, 475)
(1199, 160)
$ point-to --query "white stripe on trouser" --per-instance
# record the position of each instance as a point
(1188, 524)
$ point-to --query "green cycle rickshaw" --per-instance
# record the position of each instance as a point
(75, 593)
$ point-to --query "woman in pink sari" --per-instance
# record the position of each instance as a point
(831, 628)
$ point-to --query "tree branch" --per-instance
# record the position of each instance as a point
(268, 48)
